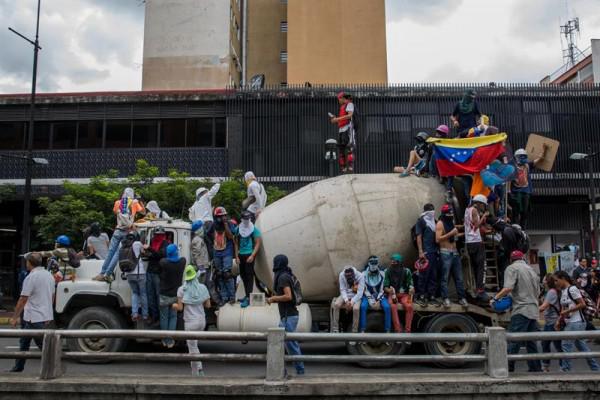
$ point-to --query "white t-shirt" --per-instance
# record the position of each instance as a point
(258, 191)
(39, 288)
(191, 312)
(566, 303)
(141, 268)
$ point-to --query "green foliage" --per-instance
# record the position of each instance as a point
(83, 204)
(7, 193)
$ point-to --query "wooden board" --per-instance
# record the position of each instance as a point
(534, 149)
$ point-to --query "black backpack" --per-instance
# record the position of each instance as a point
(522, 239)
(128, 261)
(413, 235)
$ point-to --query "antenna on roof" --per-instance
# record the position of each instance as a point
(570, 31)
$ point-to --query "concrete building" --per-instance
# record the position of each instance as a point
(586, 69)
(191, 44)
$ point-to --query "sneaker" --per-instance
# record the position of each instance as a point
(447, 302)
(99, 278)
(463, 302)
(434, 302)
(300, 372)
(200, 373)
(483, 297)
(546, 368)
(15, 369)
(404, 174)
(335, 331)
(421, 301)
(352, 343)
(245, 302)
(232, 301)
(350, 170)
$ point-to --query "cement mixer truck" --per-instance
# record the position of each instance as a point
(321, 227)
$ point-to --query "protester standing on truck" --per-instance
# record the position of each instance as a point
(512, 238)
(97, 242)
(466, 113)
(257, 196)
(522, 284)
(192, 299)
(551, 309)
(199, 251)
(171, 276)
(475, 216)
(125, 210)
(374, 297)
(352, 288)
(156, 252)
(427, 284)
(202, 210)
(398, 285)
(446, 234)
(521, 187)
(224, 250)
(283, 283)
(37, 297)
(137, 278)
(155, 212)
(249, 242)
(346, 132)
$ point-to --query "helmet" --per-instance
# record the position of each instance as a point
(421, 264)
(422, 137)
(63, 240)
(520, 152)
(447, 209)
(220, 211)
(443, 130)
(516, 255)
(480, 199)
(197, 225)
(503, 304)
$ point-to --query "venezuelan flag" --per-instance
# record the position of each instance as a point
(466, 156)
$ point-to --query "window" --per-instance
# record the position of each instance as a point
(118, 134)
(172, 133)
(145, 133)
(12, 135)
(283, 57)
(283, 26)
(90, 135)
(41, 136)
(64, 135)
(200, 132)
(220, 132)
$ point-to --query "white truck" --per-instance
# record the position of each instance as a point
(322, 227)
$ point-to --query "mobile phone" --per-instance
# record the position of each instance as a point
(330, 115)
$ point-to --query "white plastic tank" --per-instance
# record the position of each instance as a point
(341, 221)
(258, 318)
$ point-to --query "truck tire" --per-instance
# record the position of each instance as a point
(375, 324)
(452, 323)
(97, 318)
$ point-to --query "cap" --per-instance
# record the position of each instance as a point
(397, 257)
(516, 255)
(480, 199)
(446, 209)
(189, 273)
(197, 225)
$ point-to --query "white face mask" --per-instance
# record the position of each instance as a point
(373, 268)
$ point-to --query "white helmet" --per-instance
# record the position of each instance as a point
(520, 152)
(480, 199)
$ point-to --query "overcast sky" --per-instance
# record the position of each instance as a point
(96, 45)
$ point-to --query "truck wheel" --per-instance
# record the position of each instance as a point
(375, 324)
(97, 318)
(452, 323)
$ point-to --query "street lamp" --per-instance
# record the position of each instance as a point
(331, 155)
(589, 157)
(28, 170)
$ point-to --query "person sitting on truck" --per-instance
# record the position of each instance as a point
(156, 252)
(192, 299)
(446, 234)
(398, 285)
(257, 196)
(224, 249)
(417, 160)
(427, 283)
(249, 242)
(374, 297)
(475, 216)
(97, 242)
(125, 210)
(171, 276)
(352, 288)
(62, 259)
(155, 212)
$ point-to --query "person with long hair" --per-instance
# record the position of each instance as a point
(551, 309)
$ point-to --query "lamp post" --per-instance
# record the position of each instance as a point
(331, 155)
(25, 232)
(589, 157)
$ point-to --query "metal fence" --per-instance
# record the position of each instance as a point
(495, 340)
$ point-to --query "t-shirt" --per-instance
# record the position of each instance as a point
(191, 312)
(551, 313)
(247, 243)
(524, 282)
(578, 271)
(171, 276)
(99, 243)
(288, 308)
(567, 303)
(468, 120)
(39, 289)
(141, 267)
(429, 244)
(257, 190)
(228, 250)
(526, 187)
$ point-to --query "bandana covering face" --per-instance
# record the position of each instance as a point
(429, 218)
(246, 228)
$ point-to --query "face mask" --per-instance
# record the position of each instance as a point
(522, 160)
(373, 268)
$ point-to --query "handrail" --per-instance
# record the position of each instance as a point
(386, 337)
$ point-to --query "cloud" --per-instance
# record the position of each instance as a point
(422, 11)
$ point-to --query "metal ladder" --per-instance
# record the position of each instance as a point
(491, 264)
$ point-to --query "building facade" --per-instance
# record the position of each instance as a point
(586, 70)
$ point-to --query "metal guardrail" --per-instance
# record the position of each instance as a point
(495, 340)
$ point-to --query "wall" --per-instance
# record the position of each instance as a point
(596, 59)
(336, 41)
(186, 44)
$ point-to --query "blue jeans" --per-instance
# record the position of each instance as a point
(153, 293)
(546, 348)
(291, 346)
(387, 314)
(139, 296)
(168, 319)
(223, 264)
(112, 258)
(520, 323)
(568, 346)
(427, 282)
(451, 265)
(25, 342)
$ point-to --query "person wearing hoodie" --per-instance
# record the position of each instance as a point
(171, 276)
(202, 210)
(156, 252)
(125, 210)
(199, 250)
(257, 195)
(283, 284)
(154, 211)
(427, 284)
(398, 285)
(466, 113)
(192, 299)
(374, 297)
(352, 288)
(249, 242)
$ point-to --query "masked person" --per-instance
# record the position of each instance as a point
(427, 284)
(154, 212)
(398, 285)
(374, 297)
(257, 195)
(63, 260)
(202, 210)
(446, 234)
(418, 157)
(171, 276)
(352, 288)
(224, 249)
(521, 187)
(97, 242)
(466, 113)
(346, 132)
(199, 254)
(156, 252)
(249, 239)
(475, 216)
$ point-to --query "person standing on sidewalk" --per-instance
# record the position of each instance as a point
(522, 283)
(283, 283)
(475, 216)
(427, 284)
(551, 309)
(37, 297)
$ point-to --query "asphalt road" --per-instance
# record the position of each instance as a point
(238, 369)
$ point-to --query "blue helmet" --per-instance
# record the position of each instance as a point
(502, 305)
(63, 240)
(197, 225)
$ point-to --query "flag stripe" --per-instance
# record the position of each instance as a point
(479, 160)
(468, 143)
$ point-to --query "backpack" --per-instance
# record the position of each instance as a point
(128, 261)
(73, 258)
(413, 236)
(296, 288)
(522, 239)
(355, 118)
(590, 310)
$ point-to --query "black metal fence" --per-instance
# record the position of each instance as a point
(282, 132)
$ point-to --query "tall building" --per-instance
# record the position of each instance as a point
(192, 44)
